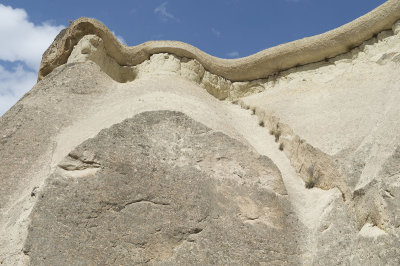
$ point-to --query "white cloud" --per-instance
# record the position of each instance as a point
(22, 40)
(119, 38)
(22, 43)
(216, 32)
(233, 54)
(14, 84)
(161, 10)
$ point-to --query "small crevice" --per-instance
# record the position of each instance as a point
(388, 194)
(301, 168)
(75, 163)
(195, 231)
(326, 228)
(143, 201)
(34, 191)
(192, 231)
(71, 167)
(76, 157)
(251, 219)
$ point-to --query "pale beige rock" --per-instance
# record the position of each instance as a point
(110, 105)
(191, 69)
(396, 27)
(259, 65)
(216, 86)
(100, 172)
(91, 47)
(339, 125)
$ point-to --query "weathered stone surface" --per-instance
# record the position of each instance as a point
(340, 118)
(120, 155)
(162, 188)
(256, 66)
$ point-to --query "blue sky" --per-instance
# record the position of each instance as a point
(223, 28)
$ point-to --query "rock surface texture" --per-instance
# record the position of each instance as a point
(161, 154)
(162, 188)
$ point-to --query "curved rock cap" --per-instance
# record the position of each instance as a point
(256, 66)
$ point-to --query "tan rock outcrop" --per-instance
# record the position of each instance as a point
(128, 155)
(259, 65)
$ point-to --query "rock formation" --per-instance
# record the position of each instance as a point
(162, 154)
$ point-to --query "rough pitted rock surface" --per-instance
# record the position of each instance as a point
(162, 188)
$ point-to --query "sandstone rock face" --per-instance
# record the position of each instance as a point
(160, 154)
(340, 119)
